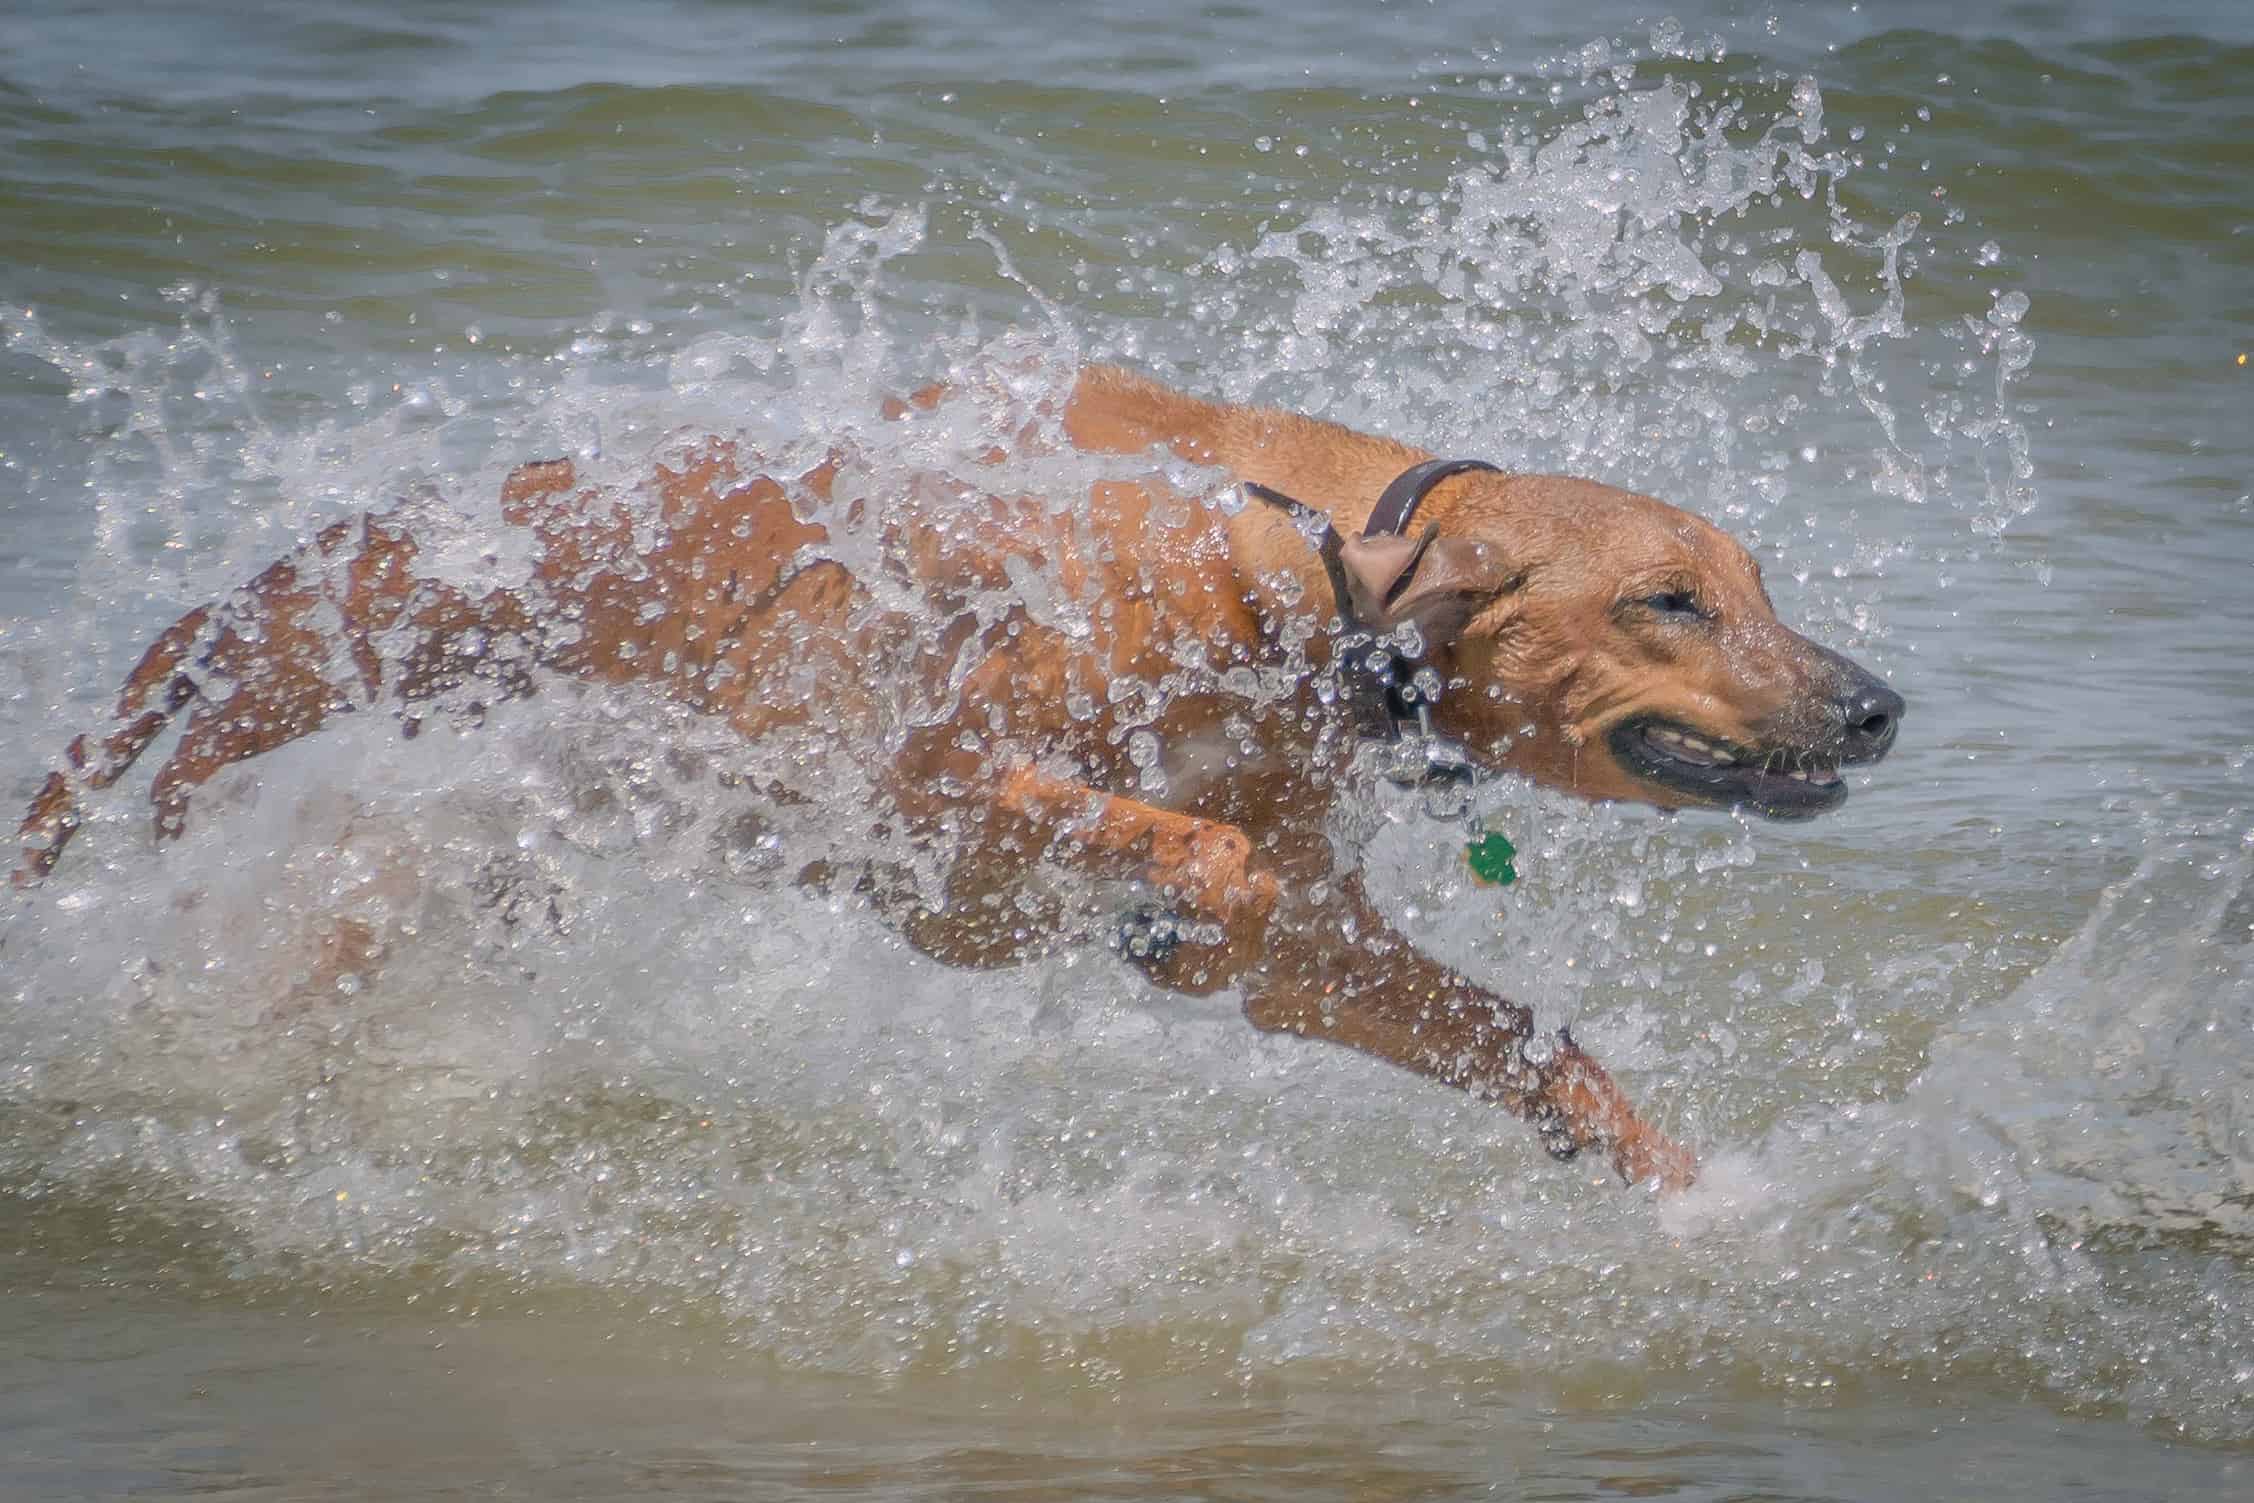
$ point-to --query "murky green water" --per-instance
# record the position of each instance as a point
(654, 1177)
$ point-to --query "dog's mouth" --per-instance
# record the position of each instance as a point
(1780, 782)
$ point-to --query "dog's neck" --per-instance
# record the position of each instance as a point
(1327, 467)
(1304, 485)
(1333, 468)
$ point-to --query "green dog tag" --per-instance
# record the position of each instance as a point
(1490, 856)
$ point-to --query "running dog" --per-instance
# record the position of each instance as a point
(1201, 683)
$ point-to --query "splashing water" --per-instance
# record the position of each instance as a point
(611, 1047)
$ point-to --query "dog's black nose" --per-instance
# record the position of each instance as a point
(1869, 714)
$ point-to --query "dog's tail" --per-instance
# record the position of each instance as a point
(154, 692)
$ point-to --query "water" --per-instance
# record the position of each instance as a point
(637, 1170)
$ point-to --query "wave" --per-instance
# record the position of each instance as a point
(612, 1055)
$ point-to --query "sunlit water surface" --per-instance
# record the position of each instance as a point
(638, 1168)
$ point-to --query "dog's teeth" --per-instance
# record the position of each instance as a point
(1691, 746)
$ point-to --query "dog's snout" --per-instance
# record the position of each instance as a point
(1869, 714)
(1863, 713)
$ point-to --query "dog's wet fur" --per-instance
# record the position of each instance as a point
(1593, 640)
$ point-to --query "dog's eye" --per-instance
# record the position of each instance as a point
(1674, 603)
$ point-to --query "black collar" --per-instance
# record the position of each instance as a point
(1400, 500)
(1395, 508)
(1392, 693)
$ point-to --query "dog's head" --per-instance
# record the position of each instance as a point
(1618, 647)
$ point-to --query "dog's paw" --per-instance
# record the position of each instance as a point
(1151, 936)
(1148, 936)
(1557, 1137)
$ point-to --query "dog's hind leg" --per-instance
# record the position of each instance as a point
(153, 693)
(304, 640)
(309, 643)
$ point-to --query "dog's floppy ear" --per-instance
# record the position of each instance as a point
(1437, 582)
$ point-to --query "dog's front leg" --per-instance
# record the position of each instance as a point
(1201, 862)
(1202, 866)
(1326, 965)
(1334, 969)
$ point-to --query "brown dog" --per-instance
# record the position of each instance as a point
(1183, 709)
